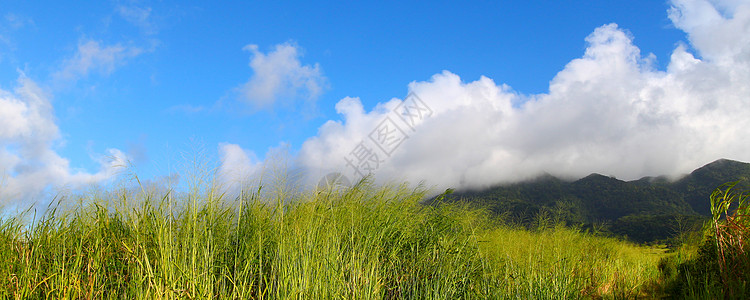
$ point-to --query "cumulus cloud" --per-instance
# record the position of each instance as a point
(241, 169)
(93, 57)
(238, 166)
(280, 75)
(610, 111)
(28, 161)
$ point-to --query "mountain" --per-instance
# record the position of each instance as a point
(698, 186)
(647, 209)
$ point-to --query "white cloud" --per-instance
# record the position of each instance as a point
(93, 57)
(609, 111)
(280, 74)
(714, 28)
(28, 162)
(238, 166)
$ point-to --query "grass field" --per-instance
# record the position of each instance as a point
(367, 242)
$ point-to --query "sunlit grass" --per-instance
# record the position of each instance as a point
(568, 263)
(366, 242)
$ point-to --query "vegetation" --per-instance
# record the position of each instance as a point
(363, 242)
(653, 210)
(366, 242)
(720, 266)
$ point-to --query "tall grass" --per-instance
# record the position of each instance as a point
(719, 266)
(564, 263)
(731, 234)
(365, 242)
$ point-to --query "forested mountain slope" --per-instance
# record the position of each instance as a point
(647, 209)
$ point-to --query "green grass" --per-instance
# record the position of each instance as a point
(716, 264)
(565, 263)
(367, 242)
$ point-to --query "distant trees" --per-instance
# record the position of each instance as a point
(644, 210)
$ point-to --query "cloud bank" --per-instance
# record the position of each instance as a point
(28, 162)
(279, 75)
(610, 111)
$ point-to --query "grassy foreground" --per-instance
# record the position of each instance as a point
(367, 242)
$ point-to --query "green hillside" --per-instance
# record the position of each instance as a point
(644, 210)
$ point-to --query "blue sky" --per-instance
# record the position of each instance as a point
(153, 79)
